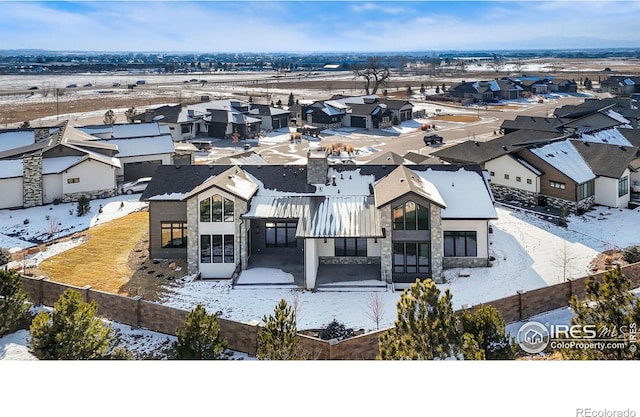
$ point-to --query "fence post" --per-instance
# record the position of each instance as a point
(85, 293)
(520, 306)
(570, 281)
(137, 299)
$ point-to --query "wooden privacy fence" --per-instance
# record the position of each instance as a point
(243, 337)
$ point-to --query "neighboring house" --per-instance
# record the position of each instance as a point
(544, 84)
(366, 112)
(326, 114)
(622, 106)
(533, 123)
(486, 91)
(63, 167)
(400, 109)
(183, 122)
(621, 85)
(390, 224)
(576, 171)
(271, 118)
(368, 116)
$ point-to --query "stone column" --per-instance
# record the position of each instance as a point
(386, 254)
(192, 236)
(437, 247)
(32, 180)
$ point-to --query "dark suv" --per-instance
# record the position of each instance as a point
(432, 139)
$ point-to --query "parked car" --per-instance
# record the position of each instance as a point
(432, 139)
(136, 186)
(33, 88)
(140, 82)
(72, 85)
(88, 85)
(116, 84)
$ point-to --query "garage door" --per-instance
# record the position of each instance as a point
(135, 170)
(358, 121)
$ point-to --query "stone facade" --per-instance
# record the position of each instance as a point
(91, 195)
(317, 166)
(386, 258)
(437, 247)
(192, 235)
(241, 235)
(32, 180)
(41, 134)
(451, 262)
(507, 194)
(349, 260)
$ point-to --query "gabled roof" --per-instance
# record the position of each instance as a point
(365, 109)
(402, 181)
(138, 146)
(395, 104)
(564, 157)
(582, 109)
(545, 124)
(632, 135)
(234, 181)
(389, 158)
(124, 130)
(611, 136)
(417, 158)
(265, 110)
(480, 152)
(245, 158)
(606, 160)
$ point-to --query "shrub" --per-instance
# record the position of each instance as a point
(630, 254)
(335, 330)
(13, 302)
(83, 206)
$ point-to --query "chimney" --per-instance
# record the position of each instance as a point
(41, 134)
(32, 180)
(149, 115)
(317, 166)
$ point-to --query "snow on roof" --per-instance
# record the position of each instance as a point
(233, 180)
(57, 165)
(616, 116)
(151, 145)
(277, 207)
(98, 156)
(16, 139)
(10, 168)
(168, 197)
(127, 130)
(566, 159)
(464, 192)
(346, 216)
(607, 136)
(347, 183)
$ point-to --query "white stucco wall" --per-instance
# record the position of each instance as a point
(93, 175)
(311, 261)
(51, 187)
(11, 192)
(325, 249)
(507, 165)
(479, 226)
(606, 192)
(373, 248)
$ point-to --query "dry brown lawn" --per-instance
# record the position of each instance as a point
(103, 261)
(456, 118)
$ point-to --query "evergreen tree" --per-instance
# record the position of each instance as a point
(422, 88)
(83, 206)
(487, 327)
(279, 103)
(291, 101)
(71, 332)
(425, 327)
(109, 117)
(277, 340)
(13, 301)
(25, 125)
(130, 114)
(612, 309)
(444, 87)
(437, 89)
(199, 338)
(5, 256)
(409, 91)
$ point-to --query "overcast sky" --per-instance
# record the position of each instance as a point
(317, 26)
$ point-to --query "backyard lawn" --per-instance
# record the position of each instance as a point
(103, 261)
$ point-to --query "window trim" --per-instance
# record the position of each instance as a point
(171, 229)
(455, 234)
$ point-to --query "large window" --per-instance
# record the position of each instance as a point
(410, 257)
(410, 216)
(585, 190)
(623, 186)
(216, 249)
(280, 234)
(173, 235)
(216, 209)
(350, 247)
(460, 244)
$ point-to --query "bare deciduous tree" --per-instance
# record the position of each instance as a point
(497, 64)
(518, 65)
(375, 74)
(375, 308)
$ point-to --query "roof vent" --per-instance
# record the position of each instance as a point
(504, 147)
(477, 143)
(622, 148)
(401, 179)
